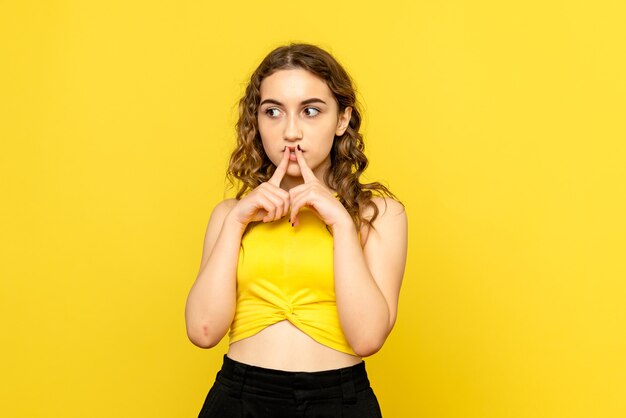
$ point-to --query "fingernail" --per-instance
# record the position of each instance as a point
(299, 147)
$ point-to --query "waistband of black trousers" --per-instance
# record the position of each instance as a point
(343, 382)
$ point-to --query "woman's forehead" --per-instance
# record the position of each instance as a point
(294, 85)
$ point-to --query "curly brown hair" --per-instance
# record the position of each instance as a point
(250, 165)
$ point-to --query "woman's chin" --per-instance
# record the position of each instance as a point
(293, 170)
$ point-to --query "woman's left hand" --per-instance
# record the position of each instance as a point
(317, 196)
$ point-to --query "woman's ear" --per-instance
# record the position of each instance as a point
(344, 119)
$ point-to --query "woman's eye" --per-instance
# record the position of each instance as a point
(312, 109)
(270, 110)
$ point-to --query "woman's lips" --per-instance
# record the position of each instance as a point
(292, 153)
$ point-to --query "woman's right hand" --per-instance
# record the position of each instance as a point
(267, 202)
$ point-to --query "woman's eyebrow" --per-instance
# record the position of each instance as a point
(304, 102)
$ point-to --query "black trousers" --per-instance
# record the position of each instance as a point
(245, 391)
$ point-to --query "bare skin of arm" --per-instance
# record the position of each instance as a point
(210, 306)
(368, 276)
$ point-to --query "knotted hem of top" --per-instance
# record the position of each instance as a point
(330, 344)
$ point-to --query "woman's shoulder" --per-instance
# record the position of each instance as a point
(225, 204)
(391, 217)
(221, 209)
(386, 205)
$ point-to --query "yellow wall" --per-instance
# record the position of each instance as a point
(500, 124)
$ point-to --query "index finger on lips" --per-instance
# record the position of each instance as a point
(281, 169)
(307, 173)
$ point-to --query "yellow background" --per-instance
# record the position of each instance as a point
(501, 125)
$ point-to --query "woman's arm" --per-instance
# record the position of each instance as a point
(210, 306)
(368, 279)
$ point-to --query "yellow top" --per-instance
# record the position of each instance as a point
(286, 272)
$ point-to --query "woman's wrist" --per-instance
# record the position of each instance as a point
(231, 222)
(345, 225)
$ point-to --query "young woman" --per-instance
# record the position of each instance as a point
(305, 265)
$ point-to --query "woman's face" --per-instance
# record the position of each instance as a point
(298, 108)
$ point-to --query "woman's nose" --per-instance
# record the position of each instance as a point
(292, 129)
